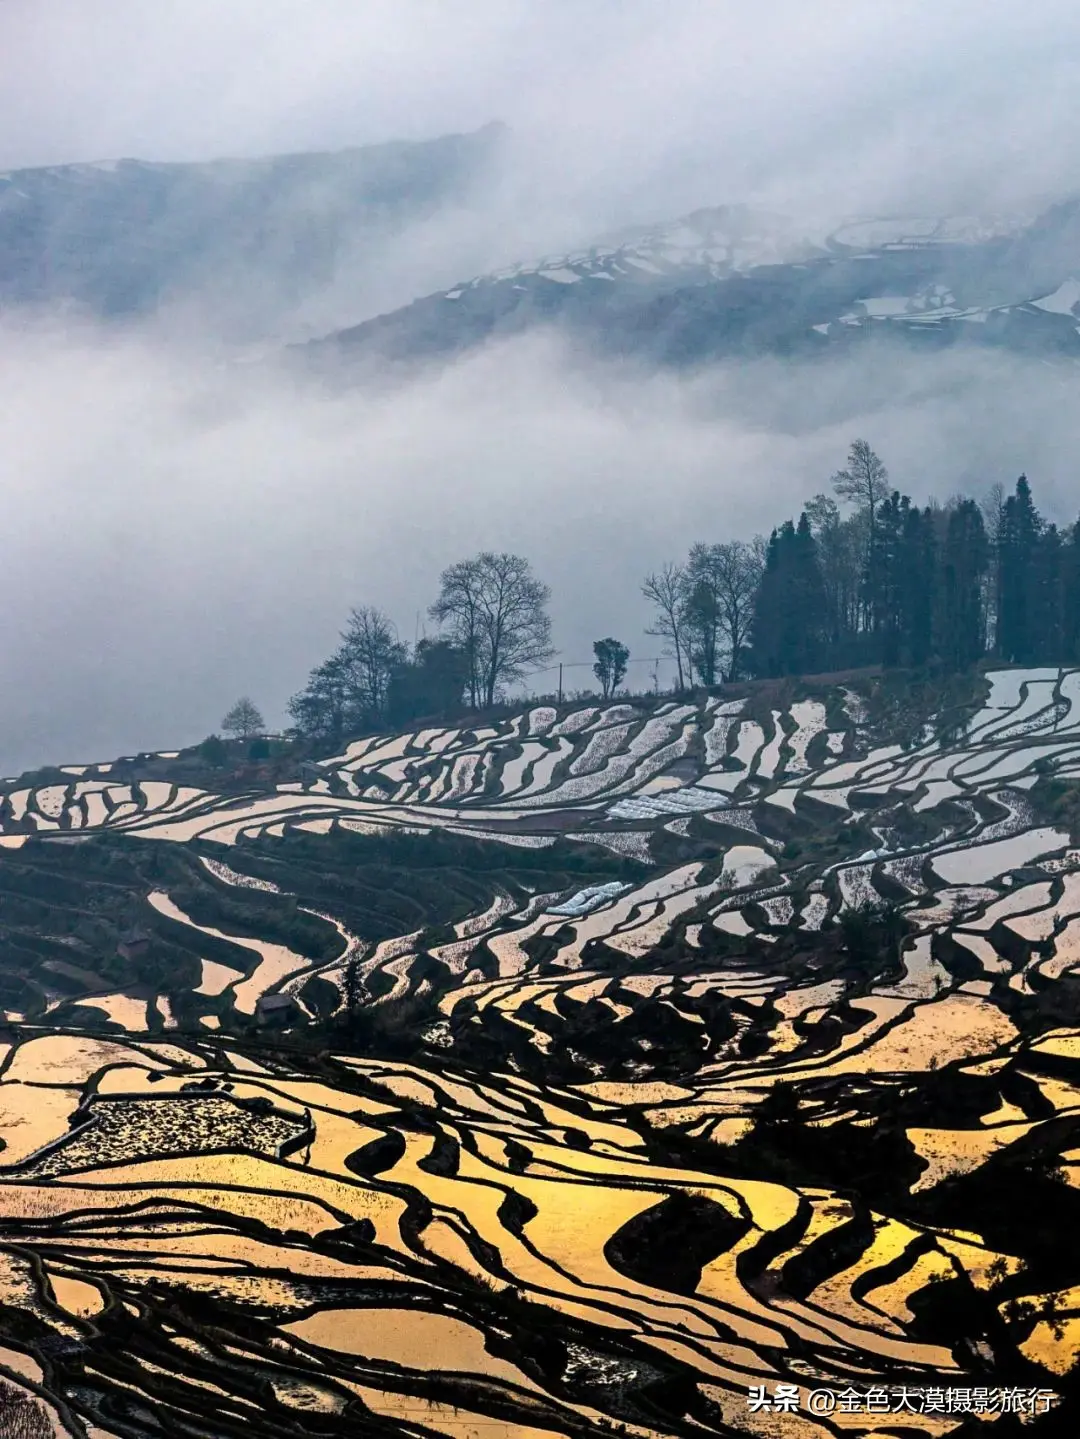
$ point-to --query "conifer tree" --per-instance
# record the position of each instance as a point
(808, 599)
(918, 585)
(789, 615)
(961, 630)
(1018, 536)
(768, 612)
(1046, 596)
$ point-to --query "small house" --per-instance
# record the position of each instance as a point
(275, 1009)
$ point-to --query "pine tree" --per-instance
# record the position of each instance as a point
(1018, 536)
(882, 579)
(917, 585)
(768, 611)
(899, 582)
(789, 614)
(808, 600)
(961, 630)
(1047, 596)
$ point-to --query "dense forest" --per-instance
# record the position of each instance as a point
(894, 584)
(862, 577)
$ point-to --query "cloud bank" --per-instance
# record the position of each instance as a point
(178, 533)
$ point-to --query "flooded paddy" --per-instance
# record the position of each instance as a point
(565, 1119)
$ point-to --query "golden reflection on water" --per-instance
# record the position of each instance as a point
(79, 1297)
(31, 1116)
(582, 1197)
(414, 1338)
(119, 1009)
(69, 1059)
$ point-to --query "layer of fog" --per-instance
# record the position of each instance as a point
(177, 533)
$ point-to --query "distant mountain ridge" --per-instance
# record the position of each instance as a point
(120, 238)
(730, 281)
(290, 245)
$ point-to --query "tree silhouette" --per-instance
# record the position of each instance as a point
(496, 612)
(370, 652)
(965, 561)
(610, 666)
(667, 590)
(213, 751)
(243, 720)
(721, 582)
(865, 481)
(789, 612)
(321, 707)
(351, 689)
(1018, 541)
(432, 683)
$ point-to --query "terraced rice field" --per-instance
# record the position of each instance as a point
(621, 1061)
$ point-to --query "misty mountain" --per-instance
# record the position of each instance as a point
(730, 282)
(297, 244)
(248, 239)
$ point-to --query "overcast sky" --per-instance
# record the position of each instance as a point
(173, 536)
(843, 102)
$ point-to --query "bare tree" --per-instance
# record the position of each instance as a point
(459, 602)
(370, 652)
(721, 582)
(737, 568)
(496, 609)
(992, 505)
(244, 720)
(865, 481)
(612, 658)
(667, 591)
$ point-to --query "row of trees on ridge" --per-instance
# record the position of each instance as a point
(864, 576)
(494, 627)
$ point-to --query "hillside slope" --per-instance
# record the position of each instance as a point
(124, 237)
(627, 1058)
(730, 282)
